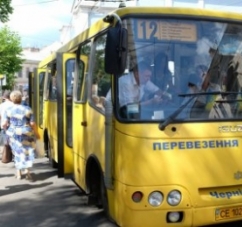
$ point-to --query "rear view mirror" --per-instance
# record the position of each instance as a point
(116, 50)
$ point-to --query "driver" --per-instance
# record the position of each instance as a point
(136, 87)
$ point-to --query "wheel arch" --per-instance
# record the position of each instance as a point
(93, 174)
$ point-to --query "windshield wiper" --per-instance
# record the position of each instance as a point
(223, 93)
(228, 101)
(173, 116)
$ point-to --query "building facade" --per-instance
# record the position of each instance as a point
(32, 58)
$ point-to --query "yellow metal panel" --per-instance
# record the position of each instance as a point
(47, 60)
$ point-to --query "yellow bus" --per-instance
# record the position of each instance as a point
(176, 161)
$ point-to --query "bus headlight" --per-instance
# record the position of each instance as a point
(155, 198)
(174, 198)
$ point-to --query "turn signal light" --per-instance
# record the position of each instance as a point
(137, 196)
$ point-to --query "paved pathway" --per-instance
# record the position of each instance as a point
(47, 202)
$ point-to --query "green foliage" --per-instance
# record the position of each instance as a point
(5, 10)
(10, 54)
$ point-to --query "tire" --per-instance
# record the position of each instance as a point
(52, 162)
(104, 198)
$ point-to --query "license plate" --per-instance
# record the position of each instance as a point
(228, 213)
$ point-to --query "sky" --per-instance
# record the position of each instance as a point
(38, 22)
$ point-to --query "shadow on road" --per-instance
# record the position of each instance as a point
(55, 206)
(6, 175)
(49, 201)
(43, 176)
(21, 187)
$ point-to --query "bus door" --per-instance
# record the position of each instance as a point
(36, 98)
(50, 113)
(65, 80)
(90, 90)
(80, 119)
(80, 113)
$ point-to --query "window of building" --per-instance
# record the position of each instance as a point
(20, 73)
(27, 72)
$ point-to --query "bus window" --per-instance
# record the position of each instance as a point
(70, 69)
(101, 81)
(187, 49)
(51, 91)
(41, 93)
(82, 68)
(52, 88)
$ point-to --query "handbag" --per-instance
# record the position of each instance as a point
(7, 155)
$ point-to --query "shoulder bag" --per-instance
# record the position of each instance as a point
(7, 155)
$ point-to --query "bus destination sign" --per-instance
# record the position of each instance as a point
(165, 31)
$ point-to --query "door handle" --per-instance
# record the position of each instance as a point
(84, 123)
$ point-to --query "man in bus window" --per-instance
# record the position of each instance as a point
(136, 87)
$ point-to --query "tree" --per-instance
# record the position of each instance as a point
(5, 10)
(10, 55)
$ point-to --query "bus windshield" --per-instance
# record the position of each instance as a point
(171, 59)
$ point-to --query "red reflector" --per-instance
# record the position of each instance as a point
(137, 196)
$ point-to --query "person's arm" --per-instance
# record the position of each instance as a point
(4, 124)
(32, 122)
(4, 120)
(155, 100)
(153, 89)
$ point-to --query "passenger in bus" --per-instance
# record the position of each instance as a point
(162, 76)
(199, 82)
(99, 102)
(136, 87)
(208, 84)
(20, 127)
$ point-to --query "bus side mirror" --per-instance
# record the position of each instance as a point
(116, 50)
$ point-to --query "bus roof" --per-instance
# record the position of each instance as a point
(47, 60)
(179, 11)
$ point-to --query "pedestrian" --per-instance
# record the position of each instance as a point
(22, 132)
(3, 107)
(25, 100)
(6, 103)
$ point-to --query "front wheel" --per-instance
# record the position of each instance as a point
(103, 198)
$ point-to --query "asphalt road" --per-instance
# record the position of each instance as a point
(47, 202)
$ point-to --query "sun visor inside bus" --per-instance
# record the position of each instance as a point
(116, 50)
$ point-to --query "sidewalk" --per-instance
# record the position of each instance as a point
(49, 201)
